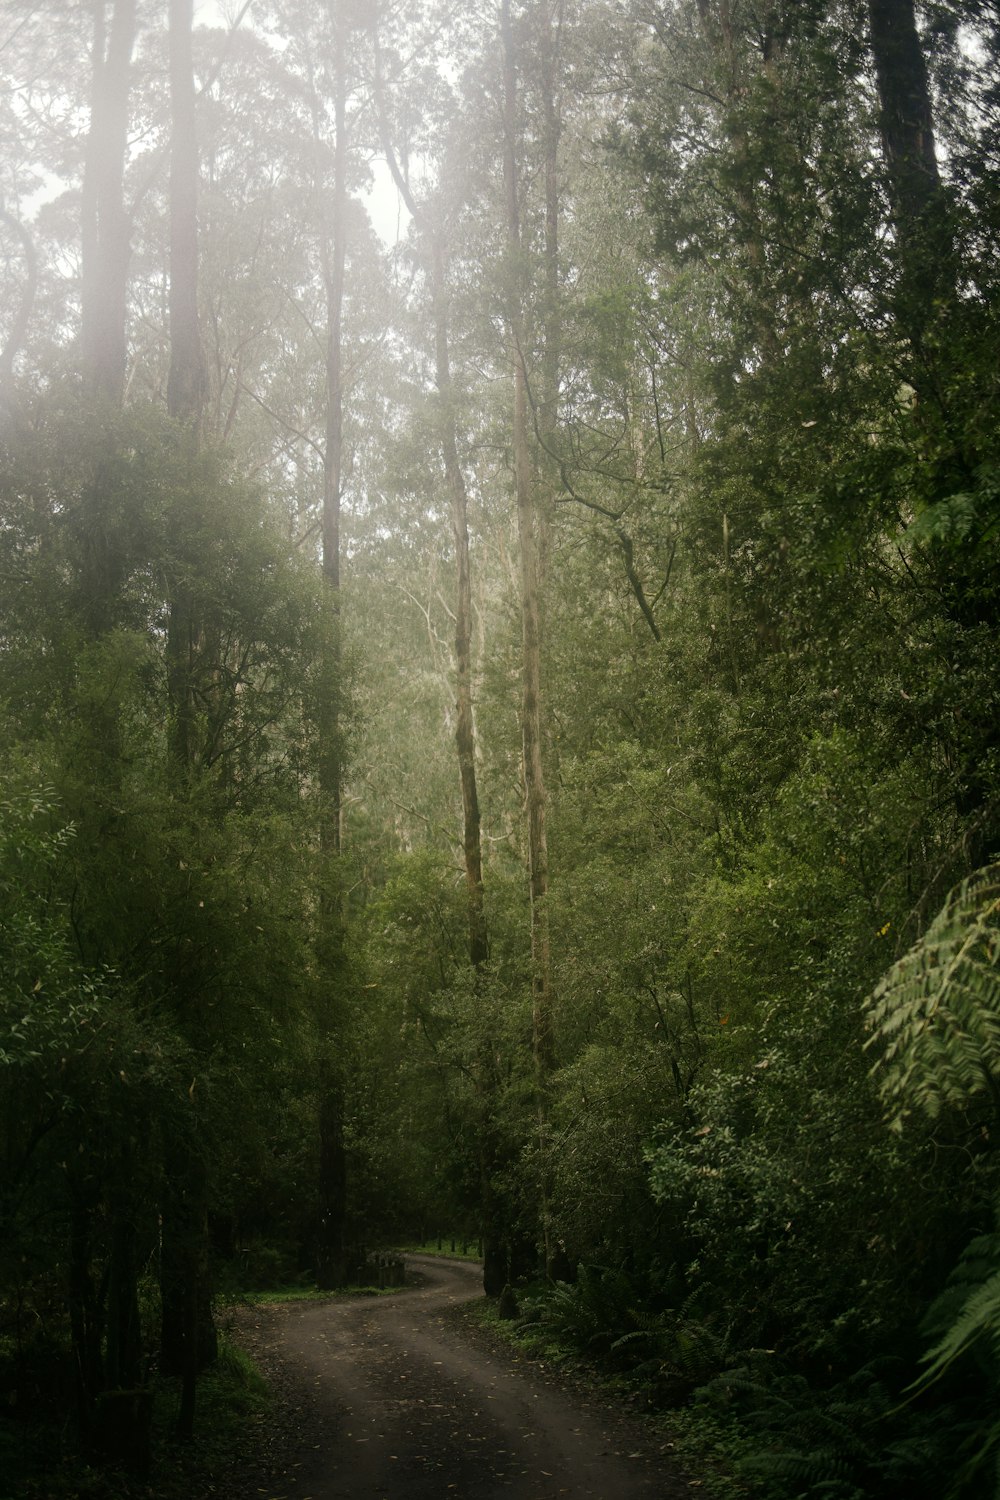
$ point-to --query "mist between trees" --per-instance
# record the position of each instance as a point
(500, 731)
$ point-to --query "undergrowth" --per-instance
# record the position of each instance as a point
(746, 1421)
(39, 1462)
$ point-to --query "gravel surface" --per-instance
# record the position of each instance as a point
(394, 1398)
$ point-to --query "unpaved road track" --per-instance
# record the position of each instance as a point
(385, 1398)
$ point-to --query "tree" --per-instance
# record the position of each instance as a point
(528, 533)
(105, 236)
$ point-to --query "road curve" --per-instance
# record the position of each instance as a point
(395, 1404)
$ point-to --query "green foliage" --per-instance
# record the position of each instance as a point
(48, 1001)
(935, 1015)
(850, 1440)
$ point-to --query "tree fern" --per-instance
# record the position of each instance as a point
(936, 1013)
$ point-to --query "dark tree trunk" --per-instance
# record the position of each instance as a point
(85, 1320)
(331, 1256)
(188, 1341)
(919, 204)
(124, 1349)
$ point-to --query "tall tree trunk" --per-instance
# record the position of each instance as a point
(331, 1260)
(917, 199)
(188, 1342)
(465, 732)
(85, 1314)
(186, 376)
(105, 223)
(104, 232)
(495, 1257)
(531, 698)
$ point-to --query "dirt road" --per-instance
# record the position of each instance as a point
(387, 1398)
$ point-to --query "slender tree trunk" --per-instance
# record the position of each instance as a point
(334, 256)
(104, 232)
(496, 1270)
(331, 1260)
(531, 698)
(186, 376)
(552, 135)
(495, 1257)
(105, 223)
(188, 1342)
(85, 1319)
(465, 733)
(124, 1350)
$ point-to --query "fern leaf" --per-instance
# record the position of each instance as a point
(936, 1014)
(978, 1318)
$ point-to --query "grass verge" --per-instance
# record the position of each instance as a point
(703, 1442)
(447, 1248)
(313, 1294)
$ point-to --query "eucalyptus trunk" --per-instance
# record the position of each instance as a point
(528, 532)
(331, 1249)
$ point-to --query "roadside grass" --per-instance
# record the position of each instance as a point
(313, 1294)
(703, 1442)
(449, 1247)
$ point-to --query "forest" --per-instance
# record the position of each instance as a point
(499, 724)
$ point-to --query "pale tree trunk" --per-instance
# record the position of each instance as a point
(526, 496)
(331, 1250)
(186, 376)
(465, 732)
(495, 1260)
(104, 233)
(105, 222)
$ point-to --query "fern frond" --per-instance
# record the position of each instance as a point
(979, 1318)
(936, 1013)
